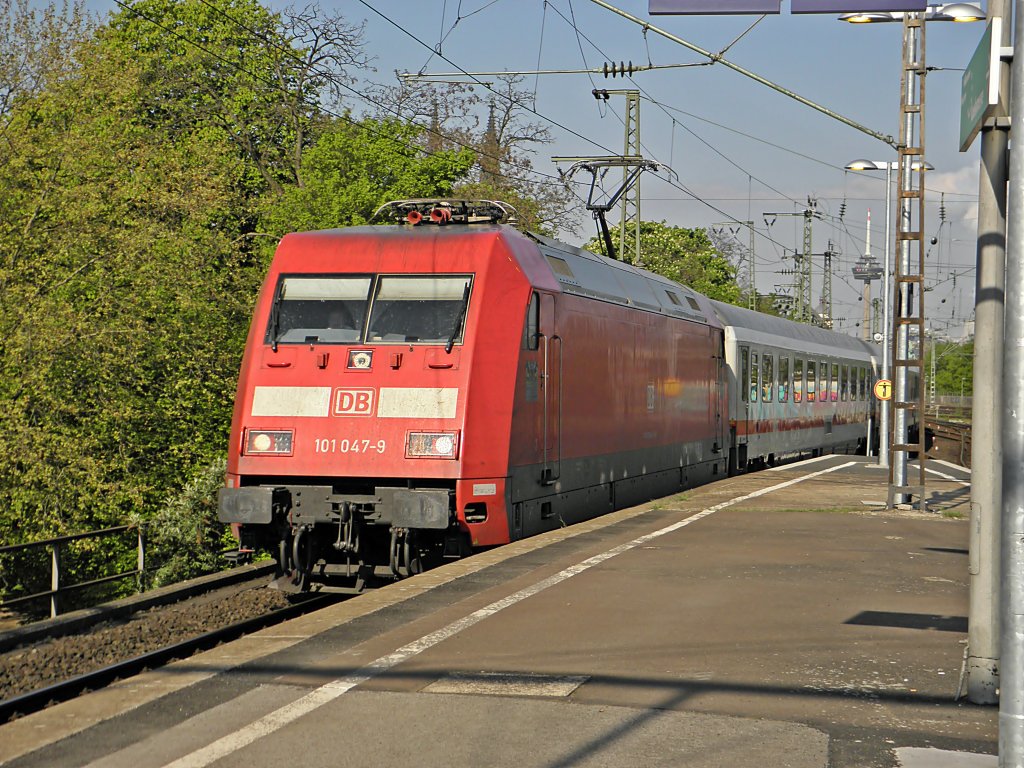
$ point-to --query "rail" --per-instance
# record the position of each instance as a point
(953, 440)
(64, 690)
(58, 587)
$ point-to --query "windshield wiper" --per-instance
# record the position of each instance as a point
(458, 320)
(275, 317)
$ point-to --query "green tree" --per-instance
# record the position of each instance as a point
(354, 168)
(132, 178)
(684, 255)
(258, 77)
(497, 128)
(122, 285)
(954, 367)
(35, 43)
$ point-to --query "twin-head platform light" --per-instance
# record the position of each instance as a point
(961, 12)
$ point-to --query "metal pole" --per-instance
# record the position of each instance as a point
(54, 580)
(1011, 663)
(903, 299)
(986, 458)
(910, 272)
(752, 299)
(141, 580)
(883, 426)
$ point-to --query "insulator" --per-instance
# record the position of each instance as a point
(615, 70)
(842, 210)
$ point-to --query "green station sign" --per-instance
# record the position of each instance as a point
(979, 88)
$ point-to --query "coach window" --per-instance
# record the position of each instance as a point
(744, 381)
(783, 379)
(753, 377)
(863, 383)
(834, 389)
(531, 330)
(798, 380)
(844, 383)
(767, 378)
(822, 381)
(811, 379)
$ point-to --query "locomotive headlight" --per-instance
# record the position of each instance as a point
(431, 445)
(269, 441)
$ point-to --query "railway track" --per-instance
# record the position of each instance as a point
(119, 610)
(952, 441)
(60, 667)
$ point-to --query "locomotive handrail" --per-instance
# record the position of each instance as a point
(548, 476)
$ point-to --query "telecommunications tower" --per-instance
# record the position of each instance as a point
(867, 269)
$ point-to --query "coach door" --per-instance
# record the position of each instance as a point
(740, 403)
(551, 384)
(748, 394)
(719, 402)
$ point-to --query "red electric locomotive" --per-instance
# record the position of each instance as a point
(418, 391)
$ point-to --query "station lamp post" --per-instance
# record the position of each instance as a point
(888, 167)
(909, 274)
(983, 625)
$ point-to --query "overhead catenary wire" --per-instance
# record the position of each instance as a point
(553, 180)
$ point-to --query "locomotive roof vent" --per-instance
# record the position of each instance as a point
(441, 212)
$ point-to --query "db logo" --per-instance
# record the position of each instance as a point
(353, 402)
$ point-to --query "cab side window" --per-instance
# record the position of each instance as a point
(531, 330)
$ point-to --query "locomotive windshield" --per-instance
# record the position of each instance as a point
(425, 309)
(319, 309)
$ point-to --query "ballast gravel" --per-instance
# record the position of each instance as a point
(29, 668)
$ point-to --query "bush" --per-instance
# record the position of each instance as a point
(185, 537)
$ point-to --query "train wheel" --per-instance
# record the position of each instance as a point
(294, 563)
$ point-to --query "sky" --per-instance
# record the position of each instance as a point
(729, 148)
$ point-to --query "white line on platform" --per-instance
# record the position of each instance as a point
(796, 464)
(944, 476)
(949, 464)
(332, 690)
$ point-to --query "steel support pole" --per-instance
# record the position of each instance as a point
(908, 390)
(1011, 635)
(883, 425)
(986, 449)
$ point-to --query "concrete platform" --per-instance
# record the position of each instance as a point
(774, 619)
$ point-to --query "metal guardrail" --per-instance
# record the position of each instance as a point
(57, 586)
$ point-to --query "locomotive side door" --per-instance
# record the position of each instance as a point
(551, 387)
